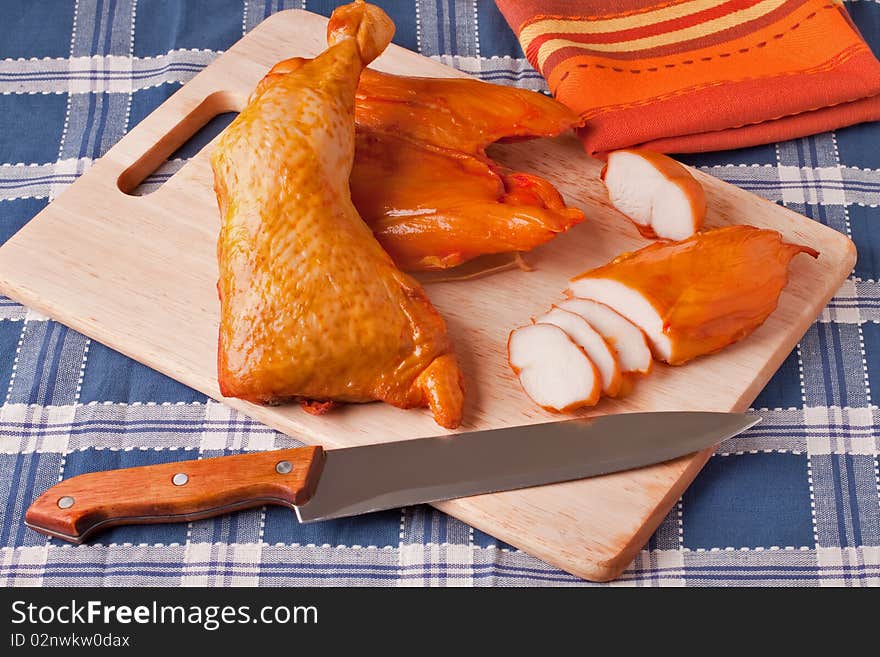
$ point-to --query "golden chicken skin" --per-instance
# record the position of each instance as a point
(311, 307)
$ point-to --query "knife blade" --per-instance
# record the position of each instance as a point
(322, 484)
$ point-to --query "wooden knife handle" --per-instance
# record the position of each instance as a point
(175, 492)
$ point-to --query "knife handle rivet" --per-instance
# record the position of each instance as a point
(284, 467)
(65, 502)
(180, 479)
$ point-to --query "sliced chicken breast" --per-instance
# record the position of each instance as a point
(657, 193)
(627, 339)
(593, 344)
(554, 372)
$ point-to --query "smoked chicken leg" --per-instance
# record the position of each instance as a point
(421, 176)
(312, 308)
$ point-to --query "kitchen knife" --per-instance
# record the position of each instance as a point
(322, 484)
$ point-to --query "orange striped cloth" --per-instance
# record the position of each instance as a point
(697, 75)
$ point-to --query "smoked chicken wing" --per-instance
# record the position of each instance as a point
(421, 176)
(312, 308)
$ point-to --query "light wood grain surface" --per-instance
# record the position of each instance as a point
(138, 274)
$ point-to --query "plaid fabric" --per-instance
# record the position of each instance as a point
(794, 501)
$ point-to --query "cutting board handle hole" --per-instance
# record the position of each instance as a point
(168, 155)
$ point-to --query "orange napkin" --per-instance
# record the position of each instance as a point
(699, 75)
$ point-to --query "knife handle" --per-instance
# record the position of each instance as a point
(175, 492)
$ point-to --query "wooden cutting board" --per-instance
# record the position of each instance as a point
(138, 274)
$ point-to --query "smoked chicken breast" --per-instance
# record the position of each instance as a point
(312, 307)
(699, 295)
(423, 182)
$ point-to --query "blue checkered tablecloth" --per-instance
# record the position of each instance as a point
(795, 501)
